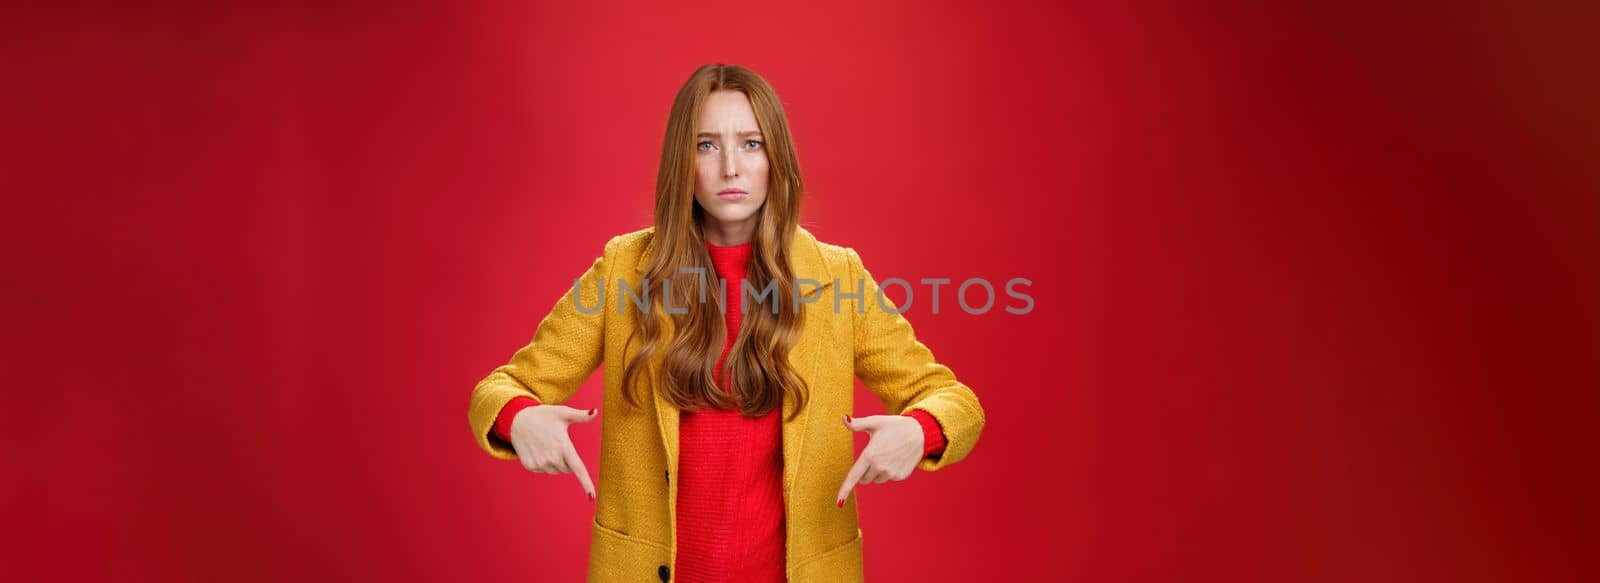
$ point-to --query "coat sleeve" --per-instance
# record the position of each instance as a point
(567, 347)
(902, 372)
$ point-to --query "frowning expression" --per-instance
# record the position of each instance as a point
(730, 179)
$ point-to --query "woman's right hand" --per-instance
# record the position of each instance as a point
(539, 436)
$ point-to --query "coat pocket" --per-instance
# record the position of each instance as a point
(614, 556)
(840, 563)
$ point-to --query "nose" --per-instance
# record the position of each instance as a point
(730, 163)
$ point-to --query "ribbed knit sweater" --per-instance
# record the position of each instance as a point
(730, 489)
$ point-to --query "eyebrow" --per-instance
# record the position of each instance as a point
(743, 133)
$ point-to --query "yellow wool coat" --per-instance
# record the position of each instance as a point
(634, 530)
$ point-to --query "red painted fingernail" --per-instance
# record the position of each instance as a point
(841, 503)
(591, 411)
(591, 497)
(847, 418)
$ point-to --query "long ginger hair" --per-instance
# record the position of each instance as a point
(757, 365)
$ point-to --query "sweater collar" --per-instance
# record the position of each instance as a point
(810, 269)
(730, 260)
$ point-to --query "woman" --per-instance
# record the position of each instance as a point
(727, 450)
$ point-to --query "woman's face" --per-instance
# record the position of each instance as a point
(730, 164)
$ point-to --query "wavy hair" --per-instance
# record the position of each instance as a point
(757, 365)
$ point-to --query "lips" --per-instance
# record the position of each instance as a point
(733, 194)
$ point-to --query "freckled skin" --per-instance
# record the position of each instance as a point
(729, 152)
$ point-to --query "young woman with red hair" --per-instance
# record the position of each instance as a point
(727, 450)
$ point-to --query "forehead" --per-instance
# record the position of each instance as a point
(727, 111)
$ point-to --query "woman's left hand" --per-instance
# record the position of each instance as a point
(892, 452)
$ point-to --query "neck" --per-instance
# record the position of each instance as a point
(728, 234)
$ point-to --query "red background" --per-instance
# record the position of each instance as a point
(1316, 284)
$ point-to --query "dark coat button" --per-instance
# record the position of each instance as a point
(665, 573)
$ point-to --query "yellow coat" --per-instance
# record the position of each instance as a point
(633, 537)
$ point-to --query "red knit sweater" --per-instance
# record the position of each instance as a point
(730, 469)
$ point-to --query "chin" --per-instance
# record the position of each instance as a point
(732, 217)
(731, 212)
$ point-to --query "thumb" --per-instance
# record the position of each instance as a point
(581, 415)
(867, 424)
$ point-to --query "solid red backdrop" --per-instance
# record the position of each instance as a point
(1315, 285)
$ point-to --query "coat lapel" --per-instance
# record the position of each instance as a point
(809, 265)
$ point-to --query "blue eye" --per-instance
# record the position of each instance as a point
(753, 144)
(703, 146)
